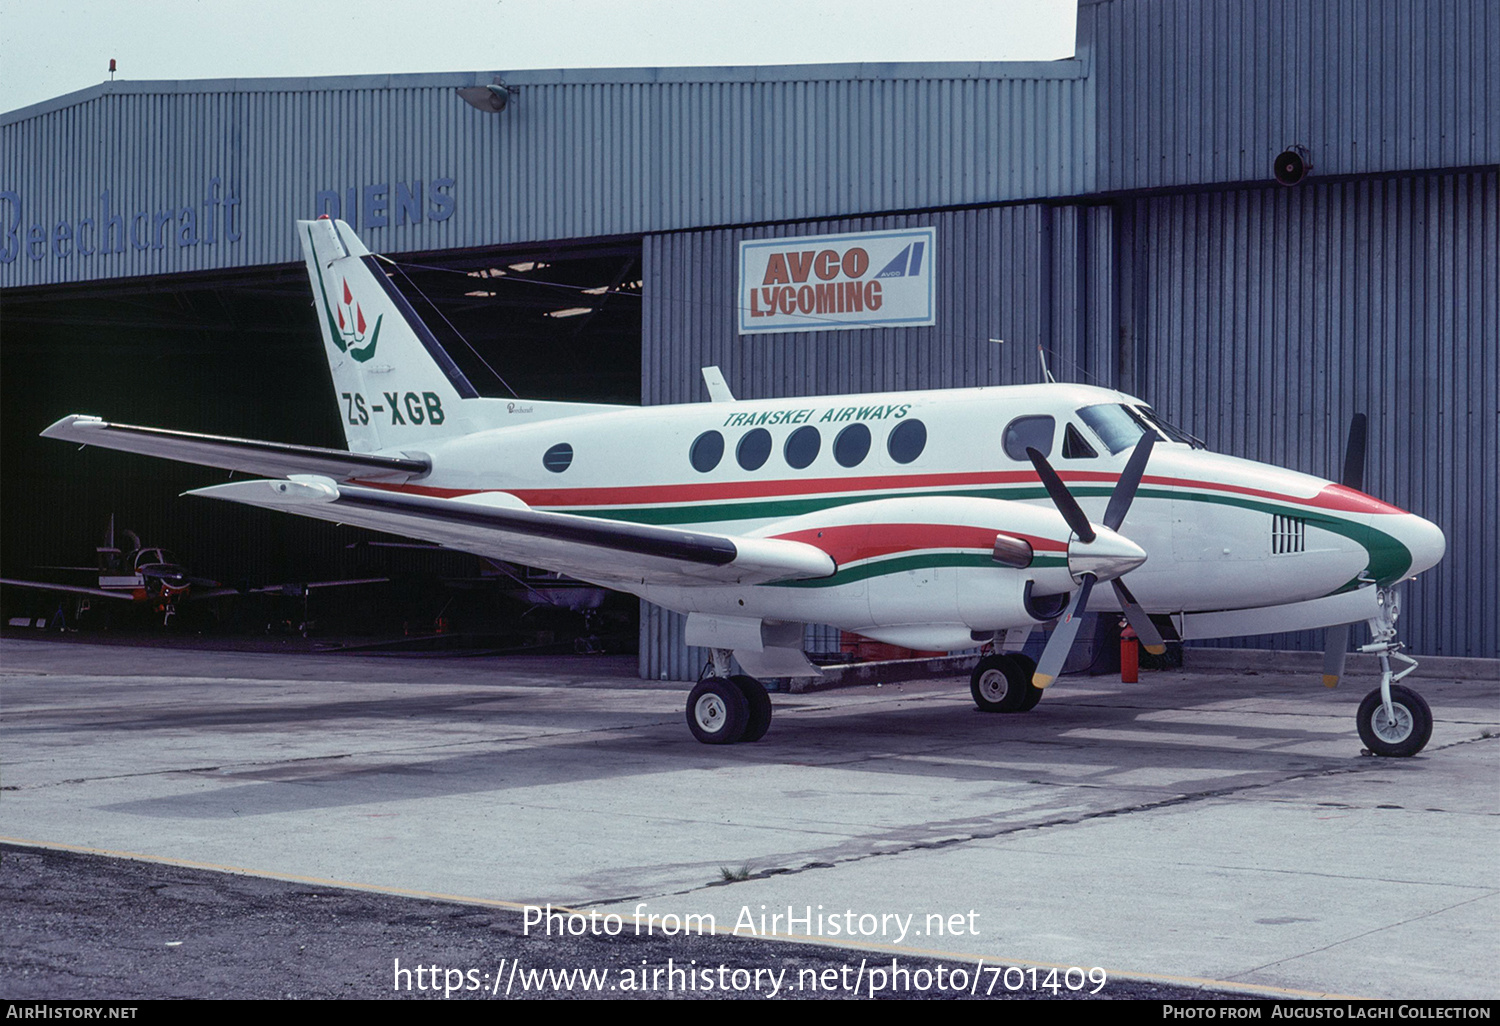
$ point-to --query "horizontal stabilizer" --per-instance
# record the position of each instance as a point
(242, 454)
(501, 526)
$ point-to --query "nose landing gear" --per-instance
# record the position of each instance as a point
(1393, 721)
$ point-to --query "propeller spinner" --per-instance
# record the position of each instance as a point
(1095, 554)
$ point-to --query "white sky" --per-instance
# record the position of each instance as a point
(52, 47)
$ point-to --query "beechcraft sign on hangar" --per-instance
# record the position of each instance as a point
(837, 282)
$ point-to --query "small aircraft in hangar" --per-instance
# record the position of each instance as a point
(153, 578)
(932, 520)
(141, 575)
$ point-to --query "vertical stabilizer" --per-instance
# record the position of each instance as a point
(397, 387)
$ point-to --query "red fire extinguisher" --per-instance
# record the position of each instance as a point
(1130, 656)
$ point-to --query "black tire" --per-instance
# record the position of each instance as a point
(1033, 694)
(1408, 735)
(717, 712)
(758, 702)
(999, 684)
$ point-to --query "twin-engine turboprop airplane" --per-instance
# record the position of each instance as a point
(934, 520)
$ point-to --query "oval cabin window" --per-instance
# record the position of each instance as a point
(707, 451)
(802, 447)
(558, 458)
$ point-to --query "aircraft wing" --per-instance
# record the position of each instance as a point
(243, 454)
(71, 589)
(500, 526)
(300, 588)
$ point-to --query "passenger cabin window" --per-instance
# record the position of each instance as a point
(852, 445)
(754, 449)
(558, 458)
(1075, 446)
(707, 451)
(1029, 433)
(802, 447)
(907, 441)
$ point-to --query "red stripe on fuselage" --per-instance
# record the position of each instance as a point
(1335, 497)
(855, 542)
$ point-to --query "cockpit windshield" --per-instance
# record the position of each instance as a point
(1173, 433)
(1114, 425)
(1119, 426)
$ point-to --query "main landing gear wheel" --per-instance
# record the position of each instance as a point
(759, 705)
(1002, 683)
(1404, 734)
(1032, 692)
(717, 711)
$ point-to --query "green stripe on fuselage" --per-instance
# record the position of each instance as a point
(1389, 559)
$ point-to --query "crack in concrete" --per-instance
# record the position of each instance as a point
(1060, 821)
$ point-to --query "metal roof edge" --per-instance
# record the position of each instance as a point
(1066, 68)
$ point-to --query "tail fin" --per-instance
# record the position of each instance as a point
(396, 385)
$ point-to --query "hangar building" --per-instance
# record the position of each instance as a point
(1118, 208)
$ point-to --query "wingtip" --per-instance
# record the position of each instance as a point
(65, 427)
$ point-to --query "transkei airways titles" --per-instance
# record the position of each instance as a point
(833, 415)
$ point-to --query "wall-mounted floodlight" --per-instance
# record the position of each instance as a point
(491, 99)
(1292, 165)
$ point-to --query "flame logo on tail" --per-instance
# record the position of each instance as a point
(346, 321)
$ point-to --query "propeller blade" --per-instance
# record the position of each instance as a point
(1061, 497)
(1335, 646)
(1061, 642)
(1354, 453)
(1139, 621)
(1130, 480)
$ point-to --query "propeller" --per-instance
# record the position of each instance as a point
(1354, 453)
(1096, 554)
(1336, 639)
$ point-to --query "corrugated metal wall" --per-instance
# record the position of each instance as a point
(1266, 318)
(1195, 91)
(577, 154)
(1260, 319)
(1013, 272)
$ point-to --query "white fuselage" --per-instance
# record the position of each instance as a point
(906, 491)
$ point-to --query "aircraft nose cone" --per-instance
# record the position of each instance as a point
(1424, 540)
(1108, 556)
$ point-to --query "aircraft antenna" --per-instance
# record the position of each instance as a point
(1042, 355)
(451, 326)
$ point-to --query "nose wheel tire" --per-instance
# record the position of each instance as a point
(717, 712)
(1406, 733)
(1002, 684)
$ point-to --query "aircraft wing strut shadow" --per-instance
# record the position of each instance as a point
(948, 520)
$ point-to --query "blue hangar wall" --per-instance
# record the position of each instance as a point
(1116, 208)
(1259, 317)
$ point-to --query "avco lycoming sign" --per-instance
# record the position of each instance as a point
(837, 282)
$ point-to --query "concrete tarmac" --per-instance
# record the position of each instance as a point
(1221, 827)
